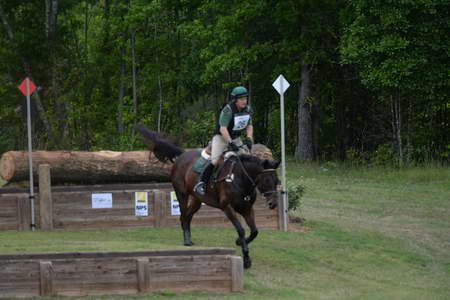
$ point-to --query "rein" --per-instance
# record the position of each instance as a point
(254, 182)
(230, 178)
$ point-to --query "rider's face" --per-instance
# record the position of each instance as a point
(241, 102)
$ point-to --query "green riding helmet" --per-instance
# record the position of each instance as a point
(239, 91)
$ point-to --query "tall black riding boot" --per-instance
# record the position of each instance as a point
(200, 187)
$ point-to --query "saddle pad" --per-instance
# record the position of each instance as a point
(200, 164)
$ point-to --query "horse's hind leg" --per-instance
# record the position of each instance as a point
(188, 209)
(241, 232)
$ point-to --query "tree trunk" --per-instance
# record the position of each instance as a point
(397, 126)
(51, 8)
(160, 103)
(133, 57)
(120, 120)
(315, 128)
(305, 149)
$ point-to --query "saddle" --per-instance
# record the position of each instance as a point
(205, 156)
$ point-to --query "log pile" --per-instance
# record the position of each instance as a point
(83, 167)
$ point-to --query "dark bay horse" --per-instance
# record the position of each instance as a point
(233, 190)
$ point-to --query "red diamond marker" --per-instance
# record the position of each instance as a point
(23, 86)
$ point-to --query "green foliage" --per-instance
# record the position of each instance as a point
(355, 158)
(295, 192)
(188, 55)
(200, 129)
(393, 42)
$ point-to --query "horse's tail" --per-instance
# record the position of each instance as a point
(163, 149)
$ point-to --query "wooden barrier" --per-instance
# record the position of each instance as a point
(106, 273)
(73, 207)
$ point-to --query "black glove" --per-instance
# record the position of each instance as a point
(249, 144)
(233, 147)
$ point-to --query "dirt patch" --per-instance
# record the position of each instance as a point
(298, 228)
(296, 224)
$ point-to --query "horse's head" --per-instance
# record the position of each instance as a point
(267, 182)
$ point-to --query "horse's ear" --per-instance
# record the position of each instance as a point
(271, 164)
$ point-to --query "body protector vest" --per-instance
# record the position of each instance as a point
(239, 120)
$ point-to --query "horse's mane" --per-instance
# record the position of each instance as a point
(249, 158)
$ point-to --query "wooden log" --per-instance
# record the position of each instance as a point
(262, 151)
(95, 167)
(87, 167)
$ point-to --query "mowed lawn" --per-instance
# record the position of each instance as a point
(367, 234)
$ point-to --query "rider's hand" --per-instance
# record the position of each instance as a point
(249, 144)
(233, 146)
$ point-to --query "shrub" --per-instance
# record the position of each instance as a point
(295, 192)
(383, 156)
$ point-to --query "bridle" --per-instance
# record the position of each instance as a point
(255, 182)
(230, 179)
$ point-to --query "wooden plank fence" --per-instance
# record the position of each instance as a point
(107, 273)
(71, 207)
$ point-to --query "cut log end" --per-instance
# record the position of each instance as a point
(7, 167)
(262, 152)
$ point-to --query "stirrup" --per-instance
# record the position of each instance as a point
(199, 188)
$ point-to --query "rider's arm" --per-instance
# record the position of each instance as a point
(250, 132)
(224, 120)
(224, 132)
(250, 124)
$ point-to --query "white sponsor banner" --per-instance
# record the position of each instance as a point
(141, 199)
(102, 200)
(174, 205)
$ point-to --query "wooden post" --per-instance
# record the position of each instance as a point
(143, 275)
(45, 198)
(237, 274)
(46, 278)
(23, 212)
(158, 211)
(165, 213)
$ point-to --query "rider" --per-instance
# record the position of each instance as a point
(235, 116)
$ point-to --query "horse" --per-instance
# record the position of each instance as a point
(233, 189)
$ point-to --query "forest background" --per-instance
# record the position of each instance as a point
(370, 80)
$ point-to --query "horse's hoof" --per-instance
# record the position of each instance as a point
(247, 263)
(190, 243)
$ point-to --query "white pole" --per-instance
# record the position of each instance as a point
(30, 159)
(283, 161)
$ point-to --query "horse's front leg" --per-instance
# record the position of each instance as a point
(229, 212)
(250, 220)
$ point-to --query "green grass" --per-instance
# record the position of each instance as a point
(2, 182)
(368, 234)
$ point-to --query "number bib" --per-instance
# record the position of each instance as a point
(240, 121)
